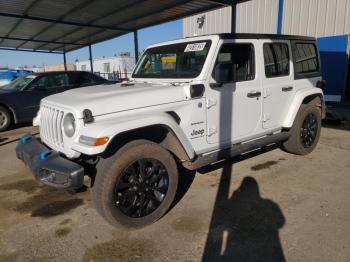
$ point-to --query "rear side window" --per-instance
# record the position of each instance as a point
(80, 78)
(276, 57)
(306, 60)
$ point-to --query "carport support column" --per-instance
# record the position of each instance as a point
(65, 61)
(280, 16)
(233, 17)
(90, 58)
(136, 44)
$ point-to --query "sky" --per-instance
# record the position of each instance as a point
(125, 43)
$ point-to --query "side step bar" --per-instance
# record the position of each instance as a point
(236, 150)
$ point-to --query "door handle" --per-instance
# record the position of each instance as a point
(254, 94)
(287, 88)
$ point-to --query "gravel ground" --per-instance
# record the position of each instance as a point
(272, 206)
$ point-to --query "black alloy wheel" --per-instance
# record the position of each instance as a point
(141, 188)
(309, 130)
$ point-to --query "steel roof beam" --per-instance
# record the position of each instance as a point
(29, 50)
(34, 3)
(172, 5)
(113, 12)
(38, 41)
(71, 11)
(48, 20)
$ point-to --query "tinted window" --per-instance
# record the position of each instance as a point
(305, 58)
(241, 56)
(49, 82)
(98, 80)
(276, 58)
(84, 78)
(80, 78)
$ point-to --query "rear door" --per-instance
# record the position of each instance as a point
(278, 81)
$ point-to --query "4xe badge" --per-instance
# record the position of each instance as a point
(197, 133)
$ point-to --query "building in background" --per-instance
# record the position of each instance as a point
(328, 21)
(59, 67)
(110, 67)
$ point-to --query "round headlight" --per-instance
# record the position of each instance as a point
(69, 125)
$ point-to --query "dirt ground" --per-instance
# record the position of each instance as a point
(272, 206)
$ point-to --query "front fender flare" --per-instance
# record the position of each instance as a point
(112, 127)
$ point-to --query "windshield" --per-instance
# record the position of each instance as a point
(19, 83)
(183, 60)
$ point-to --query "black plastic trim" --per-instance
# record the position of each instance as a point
(48, 166)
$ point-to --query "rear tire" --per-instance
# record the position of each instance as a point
(5, 119)
(136, 186)
(305, 132)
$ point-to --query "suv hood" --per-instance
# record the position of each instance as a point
(106, 99)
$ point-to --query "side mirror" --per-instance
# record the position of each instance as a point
(224, 73)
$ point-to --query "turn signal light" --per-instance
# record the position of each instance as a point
(91, 141)
(101, 141)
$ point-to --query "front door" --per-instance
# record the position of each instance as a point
(234, 109)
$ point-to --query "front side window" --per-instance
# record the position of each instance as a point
(276, 57)
(241, 56)
(50, 82)
(305, 58)
(184, 60)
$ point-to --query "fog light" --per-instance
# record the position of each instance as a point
(46, 175)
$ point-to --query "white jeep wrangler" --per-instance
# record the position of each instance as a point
(190, 102)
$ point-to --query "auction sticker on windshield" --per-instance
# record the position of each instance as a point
(195, 47)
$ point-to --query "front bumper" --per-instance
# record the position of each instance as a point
(48, 166)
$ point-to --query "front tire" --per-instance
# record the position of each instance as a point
(137, 185)
(5, 119)
(305, 132)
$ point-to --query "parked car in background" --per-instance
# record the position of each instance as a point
(20, 99)
(8, 75)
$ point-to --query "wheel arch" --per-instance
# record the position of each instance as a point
(11, 110)
(158, 133)
(304, 97)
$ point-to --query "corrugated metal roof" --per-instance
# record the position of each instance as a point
(66, 25)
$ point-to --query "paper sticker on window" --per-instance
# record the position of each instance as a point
(195, 47)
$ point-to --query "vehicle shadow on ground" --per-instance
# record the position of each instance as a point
(244, 226)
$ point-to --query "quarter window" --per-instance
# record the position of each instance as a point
(276, 58)
(305, 56)
(241, 56)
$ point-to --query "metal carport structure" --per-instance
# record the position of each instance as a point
(61, 26)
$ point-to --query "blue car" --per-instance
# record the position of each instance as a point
(20, 99)
(8, 75)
